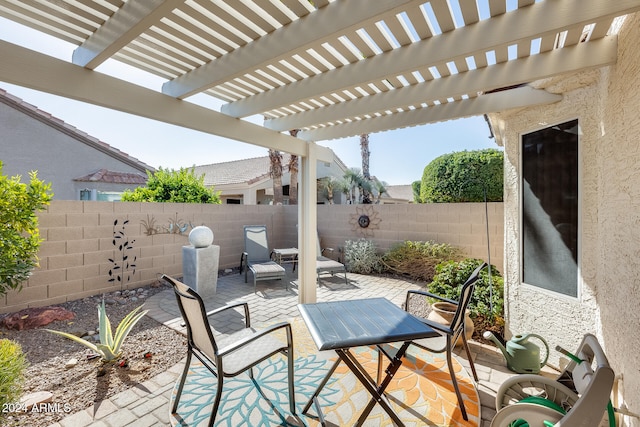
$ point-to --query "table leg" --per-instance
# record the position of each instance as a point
(377, 392)
(314, 398)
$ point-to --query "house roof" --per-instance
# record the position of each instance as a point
(112, 177)
(50, 120)
(400, 192)
(239, 171)
(331, 68)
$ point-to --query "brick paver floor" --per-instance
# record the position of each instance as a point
(148, 405)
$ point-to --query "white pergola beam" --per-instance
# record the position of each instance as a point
(520, 25)
(41, 72)
(326, 23)
(131, 20)
(499, 101)
(581, 56)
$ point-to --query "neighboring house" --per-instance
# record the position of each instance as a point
(397, 194)
(572, 203)
(249, 182)
(78, 166)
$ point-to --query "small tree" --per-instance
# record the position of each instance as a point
(19, 233)
(464, 177)
(168, 185)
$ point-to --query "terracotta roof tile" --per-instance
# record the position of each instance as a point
(104, 175)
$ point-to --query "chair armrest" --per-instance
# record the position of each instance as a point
(244, 256)
(326, 249)
(230, 306)
(438, 326)
(262, 332)
(426, 294)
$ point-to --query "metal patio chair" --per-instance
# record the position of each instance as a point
(449, 334)
(257, 256)
(230, 355)
(328, 265)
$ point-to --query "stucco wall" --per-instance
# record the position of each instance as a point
(74, 258)
(29, 144)
(606, 102)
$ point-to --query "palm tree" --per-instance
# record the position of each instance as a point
(293, 174)
(380, 188)
(365, 153)
(328, 186)
(353, 180)
(275, 157)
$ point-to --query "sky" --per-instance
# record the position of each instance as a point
(397, 157)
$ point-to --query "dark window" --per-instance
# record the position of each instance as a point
(549, 191)
(233, 201)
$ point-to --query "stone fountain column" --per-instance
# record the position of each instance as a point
(200, 261)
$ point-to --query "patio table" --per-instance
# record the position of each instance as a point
(286, 255)
(342, 325)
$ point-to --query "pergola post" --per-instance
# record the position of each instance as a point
(307, 225)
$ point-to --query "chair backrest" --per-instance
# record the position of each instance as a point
(256, 243)
(466, 292)
(195, 316)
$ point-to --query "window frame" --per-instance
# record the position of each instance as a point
(579, 283)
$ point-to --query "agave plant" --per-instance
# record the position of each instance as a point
(109, 347)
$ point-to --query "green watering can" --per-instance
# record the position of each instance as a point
(522, 355)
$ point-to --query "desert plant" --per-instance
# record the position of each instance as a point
(12, 366)
(109, 347)
(19, 233)
(361, 257)
(418, 260)
(487, 302)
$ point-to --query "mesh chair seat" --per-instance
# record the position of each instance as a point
(238, 360)
(267, 269)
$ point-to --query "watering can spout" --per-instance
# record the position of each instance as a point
(498, 341)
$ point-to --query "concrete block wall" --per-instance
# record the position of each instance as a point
(79, 239)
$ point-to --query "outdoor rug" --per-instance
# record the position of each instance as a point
(421, 392)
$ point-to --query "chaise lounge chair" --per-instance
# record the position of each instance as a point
(257, 257)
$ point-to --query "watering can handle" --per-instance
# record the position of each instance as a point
(546, 346)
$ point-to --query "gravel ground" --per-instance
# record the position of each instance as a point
(91, 380)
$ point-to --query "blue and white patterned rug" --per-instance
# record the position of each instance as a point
(421, 392)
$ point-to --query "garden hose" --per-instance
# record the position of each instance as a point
(610, 412)
(537, 400)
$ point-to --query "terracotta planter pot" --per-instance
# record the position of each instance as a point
(442, 312)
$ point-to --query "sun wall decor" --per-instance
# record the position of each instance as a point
(364, 221)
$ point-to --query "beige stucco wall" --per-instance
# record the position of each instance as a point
(59, 155)
(78, 239)
(606, 102)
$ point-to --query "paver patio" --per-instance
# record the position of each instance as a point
(148, 405)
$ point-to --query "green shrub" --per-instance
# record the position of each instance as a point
(463, 177)
(12, 366)
(451, 275)
(168, 185)
(19, 233)
(418, 260)
(361, 257)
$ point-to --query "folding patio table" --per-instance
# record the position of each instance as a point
(341, 325)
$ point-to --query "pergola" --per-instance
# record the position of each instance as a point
(328, 68)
